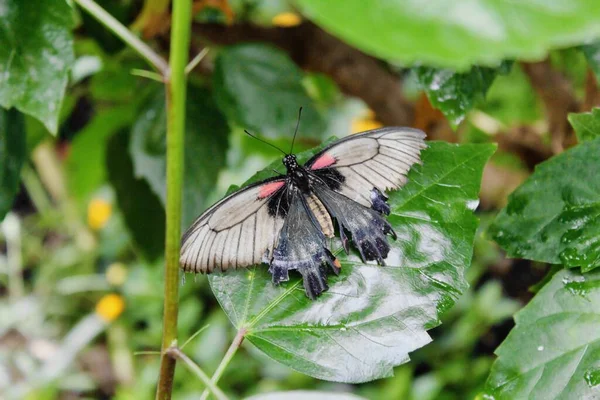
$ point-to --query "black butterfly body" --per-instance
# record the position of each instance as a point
(284, 221)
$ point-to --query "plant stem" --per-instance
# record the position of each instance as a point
(126, 36)
(192, 366)
(175, 100)
(35, 189)
(235, 345)
(195, 61)
(148, 74)
(11, 227)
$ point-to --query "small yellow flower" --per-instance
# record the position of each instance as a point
(110, 307)
(116, 274)
(365, 123)
(286, 20)
(99, 211)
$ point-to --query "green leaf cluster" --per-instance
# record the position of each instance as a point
(554, 217)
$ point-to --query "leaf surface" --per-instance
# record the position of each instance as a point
(259, 88)
(205, 149)
(12, 155)
(592, 55)
(305, 395)
(586, 125)
(142, 210)
(554, 216)
(86, 162)
(553, 352)
(459, 33)
(455, 93)
(35, 57)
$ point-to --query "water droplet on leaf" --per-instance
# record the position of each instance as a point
(592, 377)
(578, 288)
(516, 205)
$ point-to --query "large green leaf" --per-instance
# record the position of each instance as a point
(12, 155)
(553, 352)
(372, 317)
(205, 148)
(457, 33)
(554, 216)
(586, 125)
(142, 211)
(455, 93)
(36, 53)
(259, 88)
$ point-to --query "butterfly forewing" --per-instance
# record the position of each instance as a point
(379, 158)
(236, 231)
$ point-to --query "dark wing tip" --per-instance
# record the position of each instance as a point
(315, 282)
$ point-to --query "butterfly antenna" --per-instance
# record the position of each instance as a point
(265, 142)
(296, 130)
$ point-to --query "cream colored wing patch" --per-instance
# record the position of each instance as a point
(321, 214)
(236, 232)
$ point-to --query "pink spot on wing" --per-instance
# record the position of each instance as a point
(269, 188)
(324, 161)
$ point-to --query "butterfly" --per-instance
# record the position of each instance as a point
(285, 221)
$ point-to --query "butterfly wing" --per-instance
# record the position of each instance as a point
(379, 159)
(302, 246)
(238, 230)
(353, 174)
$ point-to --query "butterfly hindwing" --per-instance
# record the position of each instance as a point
(302, 246)
(352, 176)
(367, 226)
(236, 231)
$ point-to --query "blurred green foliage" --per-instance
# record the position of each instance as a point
(86, 219)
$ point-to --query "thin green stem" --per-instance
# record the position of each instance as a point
(147, 353)
(175, 100)
(199, 331)
(235, 345)
(35, 189)
(148, 74)
(195, 61)
(11, 227)
(125, 34)
(193, 367)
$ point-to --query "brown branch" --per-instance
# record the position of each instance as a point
(526, 143)
(356, 73)
(557, 95)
